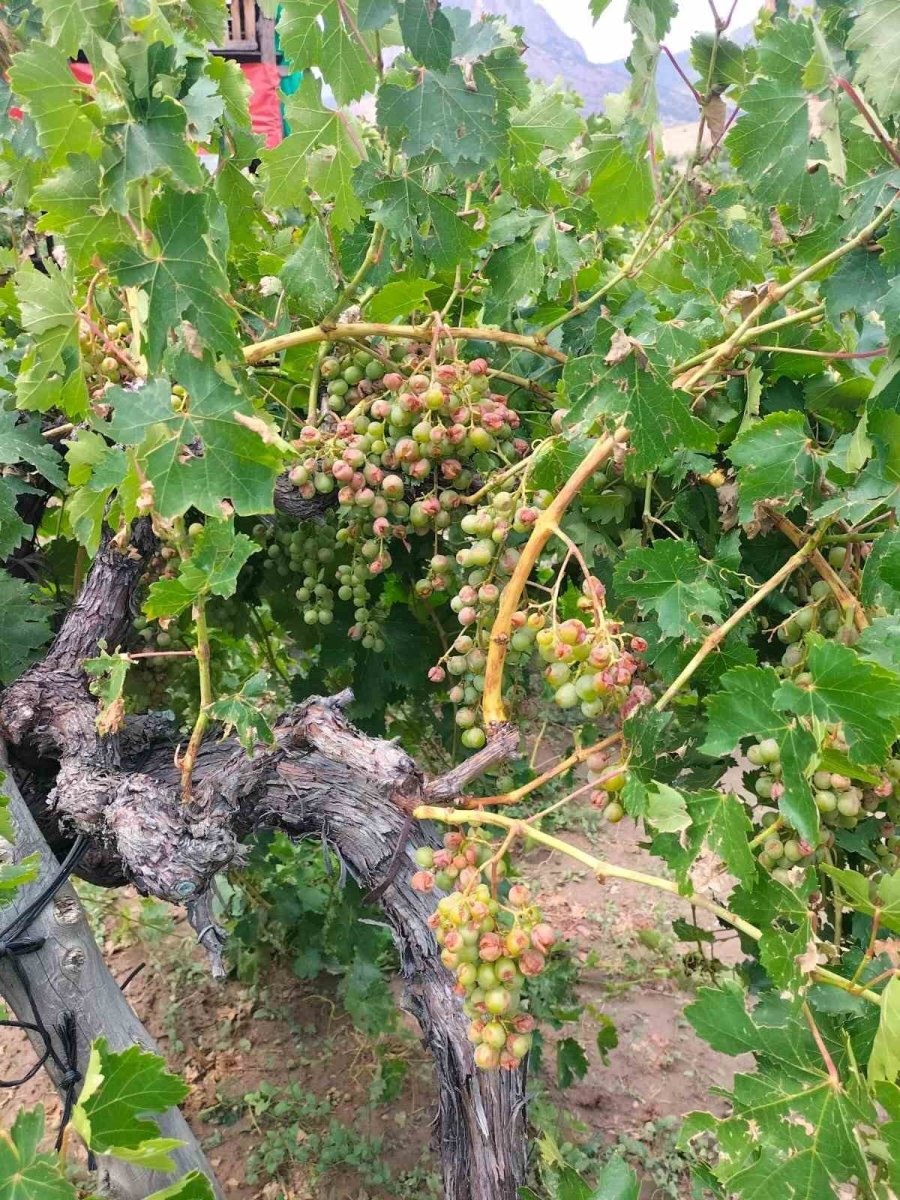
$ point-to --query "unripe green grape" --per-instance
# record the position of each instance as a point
(497, 1001)
(804, 618)
(494, 1034)
(473, 739)
(826, 801)
(487, 977)
(763, 787)
(769, 751)
(848, 803)
(466, 718)
(566, 696)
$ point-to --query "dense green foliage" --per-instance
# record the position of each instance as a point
(465, 298)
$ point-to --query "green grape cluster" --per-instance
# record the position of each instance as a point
(491, 945)
(329, 570)
(102, 368)
(403, 440)
(841, 801)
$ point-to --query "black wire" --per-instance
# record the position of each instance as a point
(16, 944)
(133, 974)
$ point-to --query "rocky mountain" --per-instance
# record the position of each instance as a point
(552, 54)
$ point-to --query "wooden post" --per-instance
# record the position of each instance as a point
(68, 973)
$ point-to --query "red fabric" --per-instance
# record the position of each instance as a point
(265, 100)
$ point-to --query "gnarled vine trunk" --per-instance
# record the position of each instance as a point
(322, 778)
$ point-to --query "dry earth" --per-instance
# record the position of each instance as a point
(291, 1040)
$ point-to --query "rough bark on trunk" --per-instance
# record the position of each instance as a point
(68, 973)
(322, 778)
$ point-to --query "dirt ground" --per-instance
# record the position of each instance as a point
(292, 1103)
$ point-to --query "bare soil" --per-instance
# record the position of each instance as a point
(288, 1043)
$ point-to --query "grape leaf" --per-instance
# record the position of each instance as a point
(314, 33)
(118, 1088)
(779, 950)
(571, 1062)
(746, 707)
(12, 528)
(775, 113)
(775, 461)
(74, 210)
(24, 627)
(21, 442)
(621, 183)
(25, 1172)
(719, 822)
(51, 374)
(398, 298)
(72, 27)
(793, 1130)
(441, 112)
(864, 696)
(181, 275)
(616, 1181)
(549, 121)
(308, 274)
(427, 33)
(95, 469)
(732, 65)
(719, 1016)
(881, 642)
(208, 19)
(216, 558)
(49, 91)
(880, 583)
(657, 416)
(192, 1186)
(875, 37)
(857, 890)
(404, 204)
(374, 14)
(108, 673)
(670, 580)
(884, 1060)
(661, 806)
(199, 456)
(243, 713)
(858, 284)
(321, 151)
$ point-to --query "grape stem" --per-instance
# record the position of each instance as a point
(607, 870)
(186, 765)
(326, 332)
(714, 639)
(493, 708)
(839, 589)
(804, 314)
(775, 293)
(372, 256)
(516, 794)
(766, 833)
(833, 1075)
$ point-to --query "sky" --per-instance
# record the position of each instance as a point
(610, 38)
